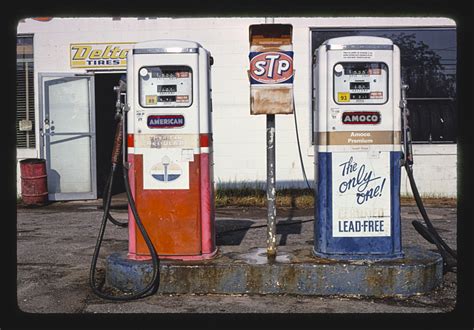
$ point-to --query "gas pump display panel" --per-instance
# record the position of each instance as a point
(360, 83)
(165, 86)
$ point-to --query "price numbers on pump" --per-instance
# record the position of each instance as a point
(165, 74)
(360, 82)
(165, 86)
(364, 69)
(166, 89)
(359, 85)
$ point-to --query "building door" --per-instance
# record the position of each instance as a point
(105, 99)
(67, 128)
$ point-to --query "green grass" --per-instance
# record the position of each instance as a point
(246, 194)
(254, 194)
(285, 198)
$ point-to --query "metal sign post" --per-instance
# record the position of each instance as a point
(271, 188)
(271, 92)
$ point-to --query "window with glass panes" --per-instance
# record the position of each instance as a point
(428, 65)
(25, 107)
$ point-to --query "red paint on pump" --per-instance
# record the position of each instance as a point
(130, 141)
(171, 217)
(207, 206)
(204, 140)
(202, 221)
(132, 241)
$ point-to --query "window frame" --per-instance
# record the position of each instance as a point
(29, 96)
(388, 29)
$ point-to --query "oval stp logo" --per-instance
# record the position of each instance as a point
(271, 67)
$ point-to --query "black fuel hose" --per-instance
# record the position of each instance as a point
(115, 159)
(153, 285)
(109, 216)
(299, 146)
(429, 232)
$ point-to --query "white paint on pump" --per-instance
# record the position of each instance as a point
(168, 95)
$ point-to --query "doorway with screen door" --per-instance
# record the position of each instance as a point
(77, 127)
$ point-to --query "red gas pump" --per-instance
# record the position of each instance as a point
(167, 157)
(170, 149)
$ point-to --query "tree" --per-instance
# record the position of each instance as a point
(422, 69)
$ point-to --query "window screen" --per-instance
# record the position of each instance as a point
(25, 107)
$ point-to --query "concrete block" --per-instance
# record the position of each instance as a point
(295, 271)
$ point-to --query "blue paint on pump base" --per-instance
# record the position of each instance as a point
(127, 274)
(357, 248)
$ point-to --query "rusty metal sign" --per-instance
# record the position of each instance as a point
(271, 69)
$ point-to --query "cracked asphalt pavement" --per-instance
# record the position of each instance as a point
(55, 245)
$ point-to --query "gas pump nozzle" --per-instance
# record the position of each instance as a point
(120, 90)
(427, 231)
(407, 146)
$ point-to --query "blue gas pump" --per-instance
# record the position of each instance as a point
(358, 149)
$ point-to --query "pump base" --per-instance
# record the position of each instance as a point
(203, 256)
(348, 257)
(295, 271)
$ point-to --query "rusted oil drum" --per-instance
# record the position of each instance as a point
(34, 185)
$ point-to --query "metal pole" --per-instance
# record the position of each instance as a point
(271, 192)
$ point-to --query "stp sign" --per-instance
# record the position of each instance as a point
(271, 67)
